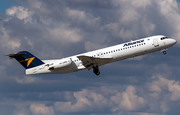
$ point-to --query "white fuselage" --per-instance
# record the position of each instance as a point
(114, 53)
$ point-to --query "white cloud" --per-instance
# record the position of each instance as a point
(174, 88)
(80, 16)
(164, 107)
(136, 4)
(171, 12)
(41, 109)
(161, 85)
(86, 100)
(13, 44)
(148, 27)
(20, 12)
(90, 46)
(155, 88)
(134, 99)
(70, 25)
(76, 14)
(7, 41)
(65, 34)
(128, 100)
(27, 79)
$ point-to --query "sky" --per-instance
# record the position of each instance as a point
(53, 29)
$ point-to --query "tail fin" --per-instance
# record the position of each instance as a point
(26, 59)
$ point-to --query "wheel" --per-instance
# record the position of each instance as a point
(164, 52)
(98, 73)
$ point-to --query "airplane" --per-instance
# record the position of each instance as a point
(93, 59)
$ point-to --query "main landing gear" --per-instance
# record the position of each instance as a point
(96, 70)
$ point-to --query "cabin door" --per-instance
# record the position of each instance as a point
(155, 41)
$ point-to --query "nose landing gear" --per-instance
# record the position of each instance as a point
(164, 52)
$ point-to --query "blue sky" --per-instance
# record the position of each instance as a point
(5, 4)
(53, 29)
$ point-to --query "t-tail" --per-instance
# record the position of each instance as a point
(26, 59)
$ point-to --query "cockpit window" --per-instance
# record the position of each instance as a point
(164, 38)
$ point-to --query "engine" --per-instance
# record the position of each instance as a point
(61, 64)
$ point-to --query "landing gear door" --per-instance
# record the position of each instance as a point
(155, 41)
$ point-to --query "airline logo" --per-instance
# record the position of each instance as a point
(132, 43)
(29, 60)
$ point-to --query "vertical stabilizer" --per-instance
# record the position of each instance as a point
(26, 59)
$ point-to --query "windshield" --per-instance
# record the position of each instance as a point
(164, 38)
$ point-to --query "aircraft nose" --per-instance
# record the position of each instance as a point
(174, 41)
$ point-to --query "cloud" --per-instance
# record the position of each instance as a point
(27, 79)
(117, 100)
(86, 100)
(65, 34)
(13, 44)
(56, 29)
(131, 98)
(20, 12)
(128, 100)
(41, 109)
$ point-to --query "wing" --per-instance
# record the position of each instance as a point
(89, 62)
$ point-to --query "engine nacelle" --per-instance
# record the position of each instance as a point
(61, 64)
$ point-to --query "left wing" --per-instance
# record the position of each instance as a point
(89, 62)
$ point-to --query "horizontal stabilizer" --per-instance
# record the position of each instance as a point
(11, 56)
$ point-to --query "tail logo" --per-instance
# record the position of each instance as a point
(29, 60)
